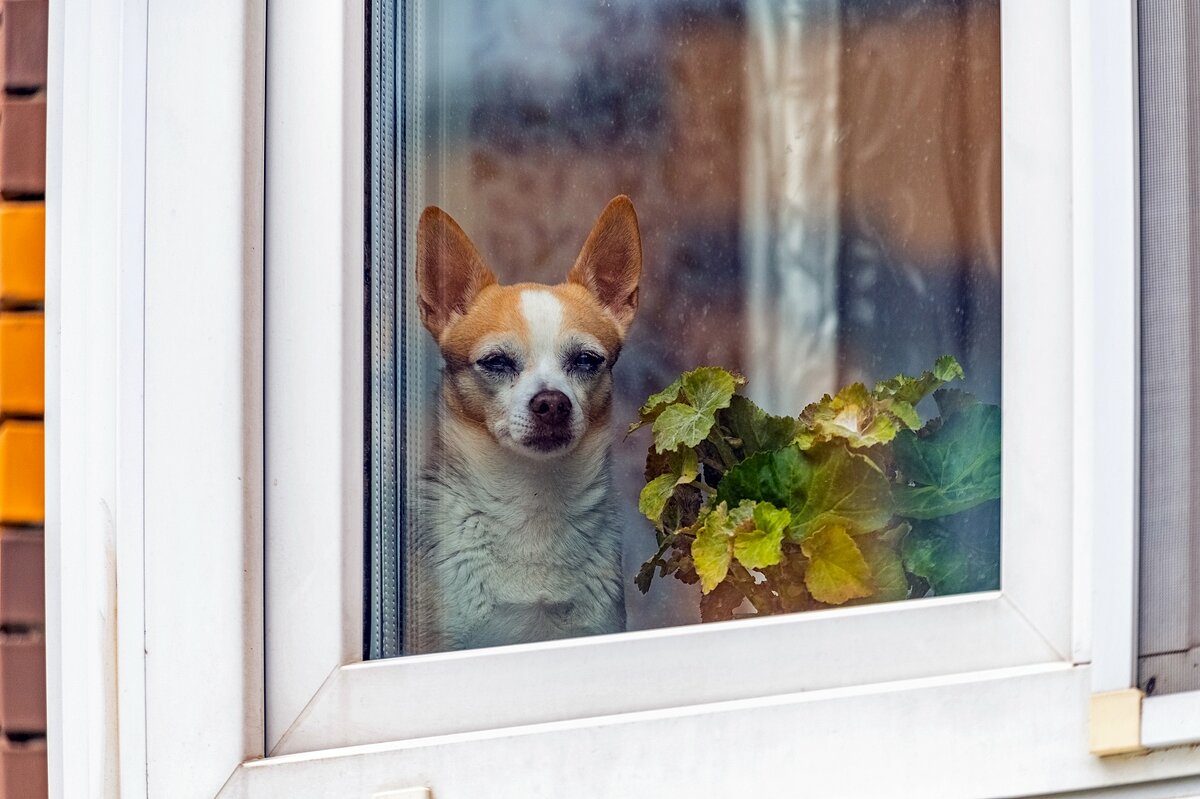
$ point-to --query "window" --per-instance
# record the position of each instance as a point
(1136, 479)
(1169, 607)
(1167, 646)
(817, 193)
(320, 695)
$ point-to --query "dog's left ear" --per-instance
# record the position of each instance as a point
(610, 263)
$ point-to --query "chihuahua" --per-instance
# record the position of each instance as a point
(515, 537)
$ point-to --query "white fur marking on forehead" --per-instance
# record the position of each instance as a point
(544, 315)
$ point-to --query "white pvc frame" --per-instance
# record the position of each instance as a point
(1106, 246)
(1107, 265)
(319, 696)
(154, 396)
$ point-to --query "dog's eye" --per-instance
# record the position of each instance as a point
(587, 361)
(497, 363)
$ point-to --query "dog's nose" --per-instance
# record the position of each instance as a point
(550, 407)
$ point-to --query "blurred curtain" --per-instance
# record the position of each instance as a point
(790, 201)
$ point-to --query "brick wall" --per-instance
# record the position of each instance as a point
(23, 29)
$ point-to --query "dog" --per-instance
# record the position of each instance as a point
(515, 538)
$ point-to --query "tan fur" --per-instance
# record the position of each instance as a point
(450, 273)
(610, 263)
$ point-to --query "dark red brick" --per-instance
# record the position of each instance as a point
(23, 146)
(22, 578)
(23, 39)
(23, 769)
(22, 683)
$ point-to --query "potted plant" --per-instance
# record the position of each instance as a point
(856, 499)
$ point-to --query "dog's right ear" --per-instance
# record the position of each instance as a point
(610, 264)
(450, 273)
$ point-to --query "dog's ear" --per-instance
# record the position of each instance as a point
(450, 273)
(610, 263)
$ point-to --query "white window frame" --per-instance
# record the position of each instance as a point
(1108, 182)
(319, 696)
(154, 395)
(156, 494)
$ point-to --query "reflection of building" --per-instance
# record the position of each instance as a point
(883, 165)
(873, 167)
(817, 182)
(920, 188)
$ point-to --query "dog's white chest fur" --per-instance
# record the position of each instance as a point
(508, 550)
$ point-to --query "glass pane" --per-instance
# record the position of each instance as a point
(1169, 617)
(810, 206)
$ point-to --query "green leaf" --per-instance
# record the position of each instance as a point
(829, 485)
(894, 535)
(853, 415)
(953, 400)
(680, 425)
(887, 572)
(689, 466)
(682, 467)
(946, 368)
(762, 544)
(653, 499)
(954, 468)
(903, 411)
(655, 404)
(845, 489)
(779, 477)
(706, 390)
(710, 388)
(911, 390)
(668, 396)
(757, 429)
(837, 570)
(956, 554)
(712, 550)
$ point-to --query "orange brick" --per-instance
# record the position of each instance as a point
(22, 682)
(22, 364)
(22, 463)
(23, 768)
(22, 253)
(22, 578)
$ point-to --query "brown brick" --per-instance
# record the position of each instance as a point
(22, 682)
(22, 578)
(23, 39)
(23, 769)
(23, 146)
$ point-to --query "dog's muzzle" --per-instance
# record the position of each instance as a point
(551, 413)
